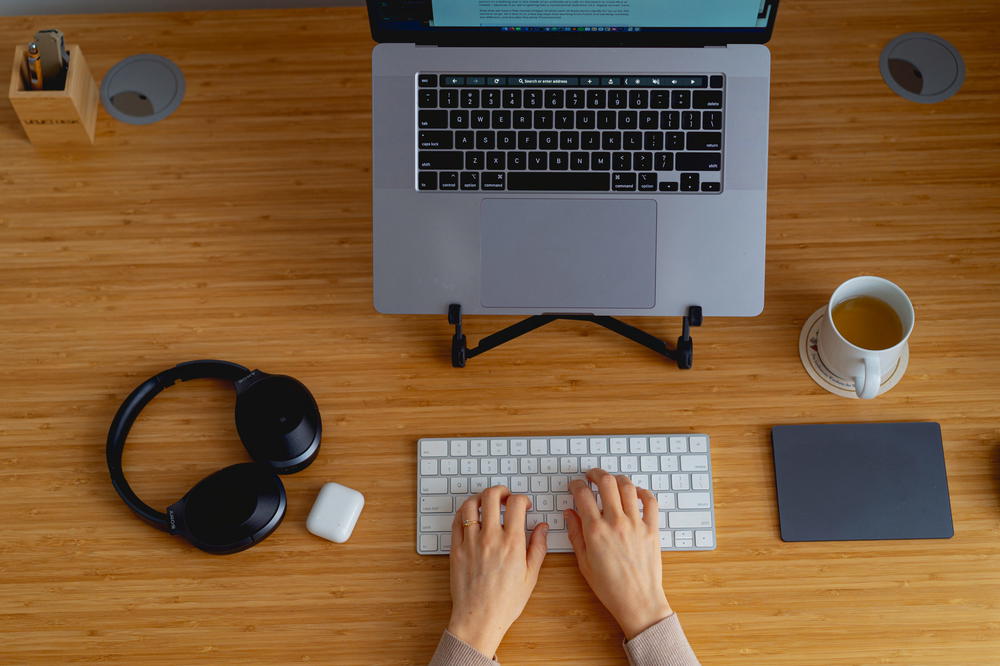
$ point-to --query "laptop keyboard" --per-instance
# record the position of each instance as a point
(576, 133)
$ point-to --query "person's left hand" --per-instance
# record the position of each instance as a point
(493, 572)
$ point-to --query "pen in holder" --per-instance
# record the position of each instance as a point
(52, 117)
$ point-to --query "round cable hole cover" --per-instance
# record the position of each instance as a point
(922, 67)
(142, 89)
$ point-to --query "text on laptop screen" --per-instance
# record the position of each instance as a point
(577, 15)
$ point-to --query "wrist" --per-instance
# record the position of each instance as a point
(638, 619)
(479, 635)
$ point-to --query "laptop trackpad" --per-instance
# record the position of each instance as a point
(568, 253)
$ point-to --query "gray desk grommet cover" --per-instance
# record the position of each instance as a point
(922, 67)
(142, 89)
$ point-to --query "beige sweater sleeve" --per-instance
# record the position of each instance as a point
(663, 644)
(453, 651)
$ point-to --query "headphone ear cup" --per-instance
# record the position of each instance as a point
(230, 510)
(279, 422)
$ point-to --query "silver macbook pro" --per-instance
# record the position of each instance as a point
(604, 157)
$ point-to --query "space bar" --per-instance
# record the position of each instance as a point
(558, 181)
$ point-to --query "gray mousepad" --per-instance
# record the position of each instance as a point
(856, 481)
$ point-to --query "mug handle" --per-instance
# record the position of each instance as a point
(866, 384)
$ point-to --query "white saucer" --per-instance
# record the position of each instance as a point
(824, 377)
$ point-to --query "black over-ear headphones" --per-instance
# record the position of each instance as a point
(236, 507)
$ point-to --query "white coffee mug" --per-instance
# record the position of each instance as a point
(868, 367)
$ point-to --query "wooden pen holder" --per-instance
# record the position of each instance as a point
(54, 117)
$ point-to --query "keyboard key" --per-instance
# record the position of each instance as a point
(479, 119)
(558, 161)
(609, 464)
(691, 120)
(445, 540)
(629, 463)
(428, 543)
(458, 119)
(492, 180)
(512, 98)
(468, 99)
(532, 520)
(666, 501)
(638, 445)
(475, 160)
(544, 502)
(529, 465)
(647, 181)
(519, 484)
(478, 484)
(641, 481)
(694, 500)
(559, 483)
(579, 161)
(623, 182)
(449, 466)
(694, 463)
(558, 541)
(700, 481)
(674, 140)
(436, 504)
(632, 140)
(575, 99)
(489, 466)
(427, 99)
(558, 181)
(434, 448)
(689, 182)
(669, 187)
(707, 99)
(611, 140)
(699, 161)
(491, 98)
(683, 543)
(564, 502)
(704, 539)
(638, 99)
(448, 99)
(712, 120)
(548, 465)
(680, 482)
(670, 120)
(660, 482)
(680, 99)
(428, 467)
(666, 540)
(469, 180)
(621, 161)
(628, 120)
(433, 485)
(432, 119)
(617, 99)
(424, 80)
(568, 465)
(469, 466)
(586, 120)
(704, 140)
(711, 187)
(548, 140)
(669, 463)
(499, 481)
(498, 447)
(649, 463)
(439, 159)
(508, 465)
(715, 81)
(682, 519)
(588, 463)
(698, 444)
(553, 99)
(435, 523)
(555, 521)
(659, 99)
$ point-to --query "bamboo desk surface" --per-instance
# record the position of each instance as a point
(239, 228)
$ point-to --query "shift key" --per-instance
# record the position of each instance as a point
(439, 159)
(438, 523)
(688, 519)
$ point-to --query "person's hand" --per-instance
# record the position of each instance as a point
(493, 572)
(619, 551)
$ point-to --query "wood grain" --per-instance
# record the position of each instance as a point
(239, 228)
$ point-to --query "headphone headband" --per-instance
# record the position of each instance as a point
(134, 404)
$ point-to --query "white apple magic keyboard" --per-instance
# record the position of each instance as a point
(677, 468)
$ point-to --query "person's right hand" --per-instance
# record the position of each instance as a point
(619, 550)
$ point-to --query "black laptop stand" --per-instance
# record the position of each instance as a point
(683, 353)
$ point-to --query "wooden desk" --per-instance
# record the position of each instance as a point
(239, 229)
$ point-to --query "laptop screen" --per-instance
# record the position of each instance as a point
(573, 22)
